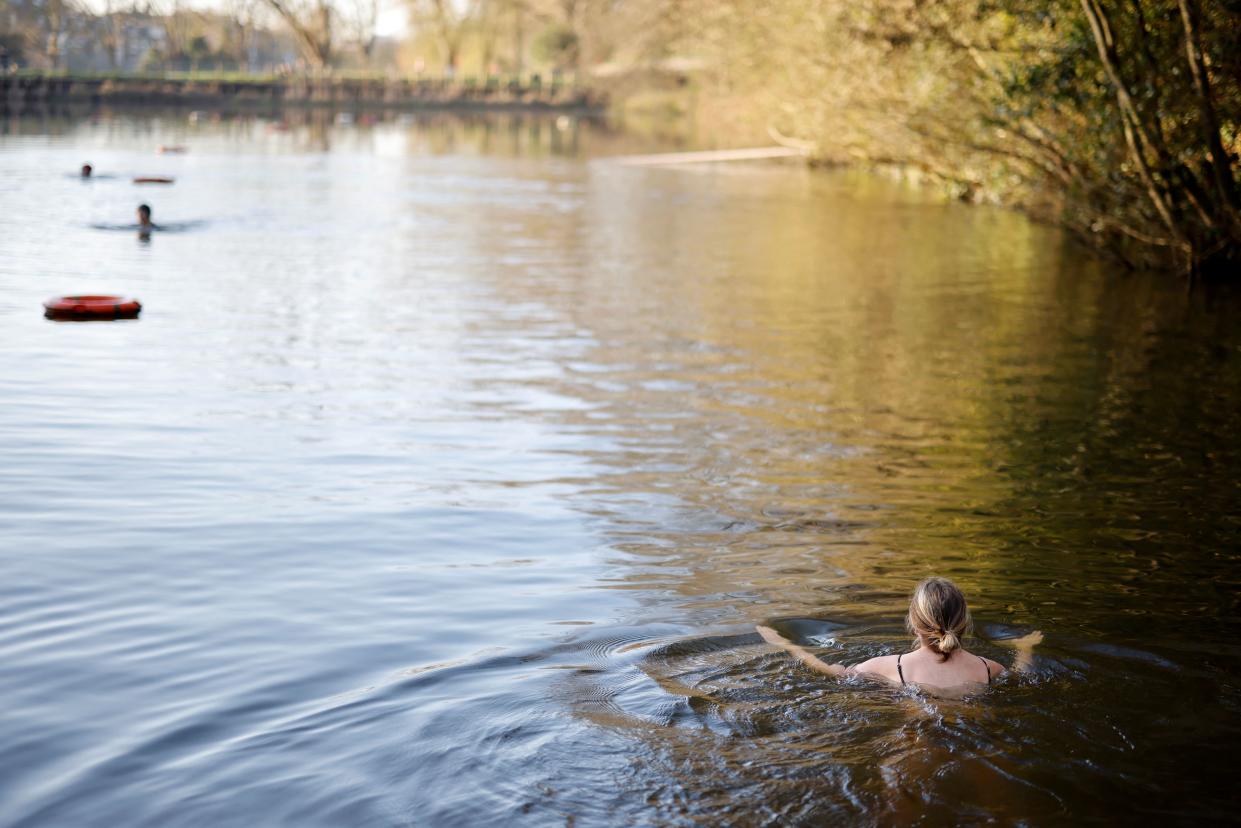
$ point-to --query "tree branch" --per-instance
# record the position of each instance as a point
(1135, 134)
(1222, 177)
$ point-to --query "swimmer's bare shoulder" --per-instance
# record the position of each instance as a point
(886, 667)
(883, 667)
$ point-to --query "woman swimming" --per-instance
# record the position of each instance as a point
(938, 619)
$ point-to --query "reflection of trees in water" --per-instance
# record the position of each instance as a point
(808, 390)
(1123, 462)
(518, 135)
(508, 134)
(779, 372)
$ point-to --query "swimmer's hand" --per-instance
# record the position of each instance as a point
(1025, 650)
(1026, 642)
(812, 661)
(1030, 640)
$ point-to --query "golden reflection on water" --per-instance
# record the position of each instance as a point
(835, 399)
(789, 381)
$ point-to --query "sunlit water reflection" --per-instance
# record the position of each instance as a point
(449, 467)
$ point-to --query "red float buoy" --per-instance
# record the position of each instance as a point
(92, 307)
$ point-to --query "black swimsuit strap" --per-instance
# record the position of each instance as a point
(985, 667)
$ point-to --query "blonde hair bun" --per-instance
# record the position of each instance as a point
(938, 616)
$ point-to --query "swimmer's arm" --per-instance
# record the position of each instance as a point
(1025, 650)
(813, 662)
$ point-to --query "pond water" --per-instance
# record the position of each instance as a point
(450, 465)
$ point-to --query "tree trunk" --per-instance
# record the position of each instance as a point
(519, 41)
(55, 22)
(1136, 135)
(314, 39)
(1221, 168)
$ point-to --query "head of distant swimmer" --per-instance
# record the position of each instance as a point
(938, 617)
(86, 170)
(144, 214)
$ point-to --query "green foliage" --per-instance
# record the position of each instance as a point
(557, 45)
(1121, 123)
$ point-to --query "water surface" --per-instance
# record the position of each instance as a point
(449, 467)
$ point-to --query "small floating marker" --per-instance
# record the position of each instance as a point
(171, 149)
(84, 308)
(147, 179)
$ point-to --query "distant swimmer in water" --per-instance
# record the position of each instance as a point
(938, 619)
(144, 219)
(86, 170)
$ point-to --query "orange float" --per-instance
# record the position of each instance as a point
(152, 180)
(91, 307)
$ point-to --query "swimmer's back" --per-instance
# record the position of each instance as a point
(962, 669)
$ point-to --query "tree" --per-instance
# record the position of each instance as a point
(241, 13)
(558, 45)
(362, 22)
(57, 13)
(311, 23)
(178, 25)
(12, 50)
(497, 19)
(448, 22)
(1120, 122)
(1163, 91)
(110, 33)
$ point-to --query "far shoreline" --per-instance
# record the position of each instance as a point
(23, 90)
